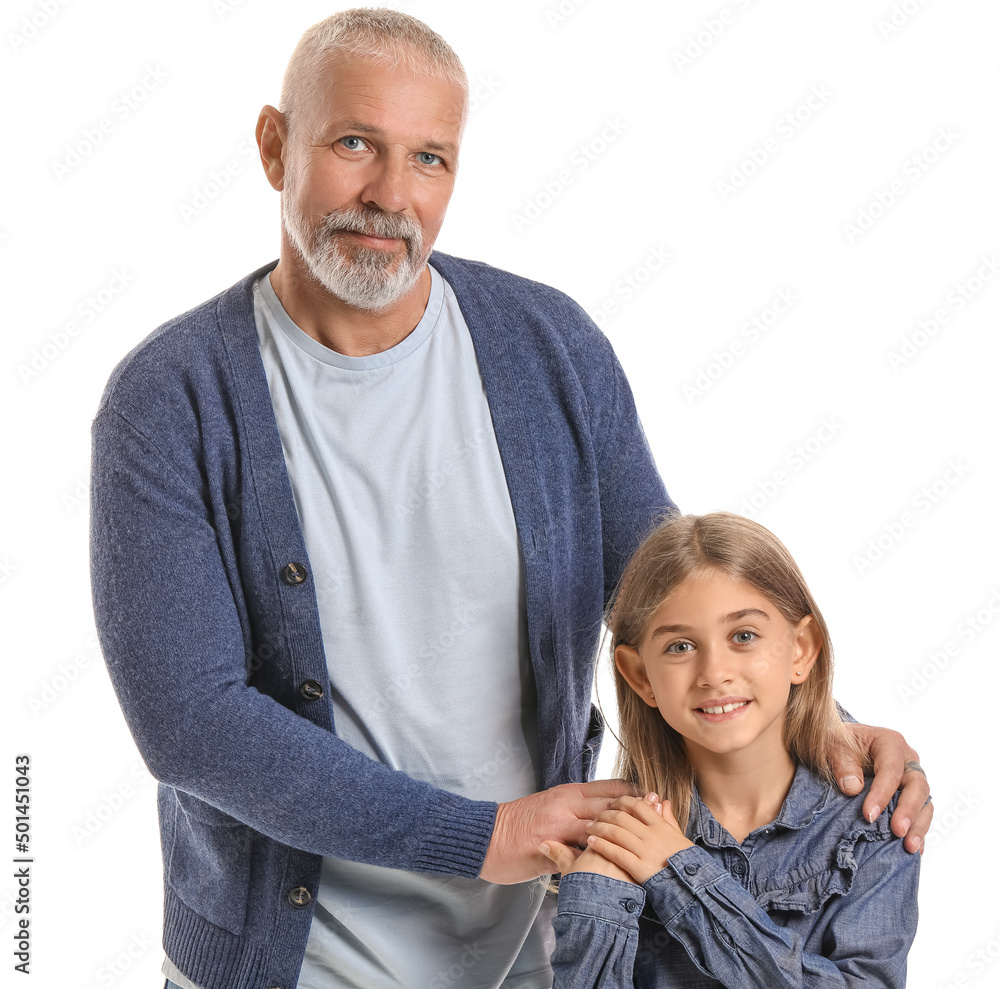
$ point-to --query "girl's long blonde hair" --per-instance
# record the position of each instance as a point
(652, 753)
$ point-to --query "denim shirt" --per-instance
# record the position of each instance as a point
(816, 898)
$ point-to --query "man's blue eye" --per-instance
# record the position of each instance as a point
(427, 158)
(352, 143)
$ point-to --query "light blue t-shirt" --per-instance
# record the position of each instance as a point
(400, 490)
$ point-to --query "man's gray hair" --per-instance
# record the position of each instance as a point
(365, 32)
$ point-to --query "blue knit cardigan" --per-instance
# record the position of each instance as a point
(211, 639)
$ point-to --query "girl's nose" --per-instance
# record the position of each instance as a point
(715, 665)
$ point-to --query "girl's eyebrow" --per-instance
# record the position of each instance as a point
(664, 629)
(733, 616)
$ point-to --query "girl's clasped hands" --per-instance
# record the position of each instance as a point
(632, 840)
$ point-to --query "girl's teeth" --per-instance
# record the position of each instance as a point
(725, 709)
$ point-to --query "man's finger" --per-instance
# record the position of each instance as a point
(591, 799)
(912, 816)
(608, 788)
(562, 855)
(849, 776)
(847, 771)
(920, 825)
(889, 752)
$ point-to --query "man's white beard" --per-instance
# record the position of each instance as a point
(363, 277)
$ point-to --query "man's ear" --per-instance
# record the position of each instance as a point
(632, 668)
(272, 140)
(806, 647)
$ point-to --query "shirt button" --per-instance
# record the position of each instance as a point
(311, 690)
(739, 868)
(299, 897)
(294, 574)
(630, 905)
(692, 870)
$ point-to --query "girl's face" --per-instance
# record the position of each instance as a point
(718, 660)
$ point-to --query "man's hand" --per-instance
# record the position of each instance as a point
(560, 814)
(895, 763)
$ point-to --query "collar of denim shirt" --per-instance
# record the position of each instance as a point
(807, 797)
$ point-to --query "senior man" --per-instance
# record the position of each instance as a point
(354, 523)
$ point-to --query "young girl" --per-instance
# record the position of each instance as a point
(753, 870)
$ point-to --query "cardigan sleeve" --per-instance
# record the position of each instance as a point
(176, 652)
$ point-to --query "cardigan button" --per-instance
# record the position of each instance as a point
(299, 897)
(294, 574)
(311, 690)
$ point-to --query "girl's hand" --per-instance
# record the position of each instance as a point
(569, 860)
(637, 835)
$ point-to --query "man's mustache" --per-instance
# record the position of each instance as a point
(373, 223)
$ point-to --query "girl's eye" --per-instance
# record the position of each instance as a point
(744, 636)
(679, 647)
(428, 158)
(353, 143)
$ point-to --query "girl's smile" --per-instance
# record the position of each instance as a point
(723, 710)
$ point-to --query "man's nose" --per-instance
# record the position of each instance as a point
(387, 184)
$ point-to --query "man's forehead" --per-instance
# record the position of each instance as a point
(368, 93)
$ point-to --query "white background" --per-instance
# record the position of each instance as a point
(592, 149)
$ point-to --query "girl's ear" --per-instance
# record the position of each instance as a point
(631, 667)
(806, 647)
